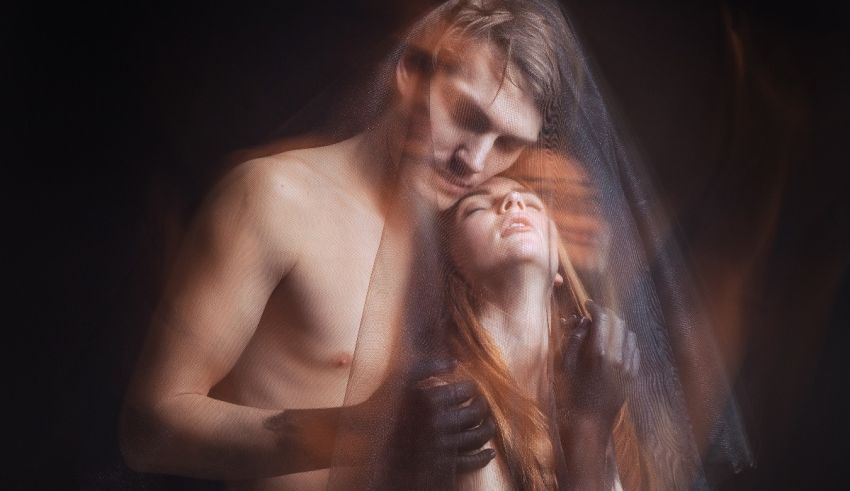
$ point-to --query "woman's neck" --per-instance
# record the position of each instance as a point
(516, 314)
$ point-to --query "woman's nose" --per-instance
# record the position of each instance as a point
(513, 201)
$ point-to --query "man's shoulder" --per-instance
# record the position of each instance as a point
(264, 197)
(293, 183)
(284, 176)
(283, 183)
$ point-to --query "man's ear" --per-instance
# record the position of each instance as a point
(409, 71)
(559, 280)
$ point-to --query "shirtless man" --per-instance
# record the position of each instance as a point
(249, 357)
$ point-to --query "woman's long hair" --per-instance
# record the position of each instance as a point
(523, 432)
(568, 300)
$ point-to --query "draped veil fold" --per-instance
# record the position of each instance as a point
(684, 418)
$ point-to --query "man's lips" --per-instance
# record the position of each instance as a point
(453, 184)
(515, 224)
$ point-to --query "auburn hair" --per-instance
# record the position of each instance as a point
(523, 435)
(523, 432)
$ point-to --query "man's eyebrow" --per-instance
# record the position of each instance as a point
(466, 99)
(522, 140)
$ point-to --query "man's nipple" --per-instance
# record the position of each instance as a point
(341, 360)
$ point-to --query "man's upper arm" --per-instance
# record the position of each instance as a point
(242, 244)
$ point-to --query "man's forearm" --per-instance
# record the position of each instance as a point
(197, 436)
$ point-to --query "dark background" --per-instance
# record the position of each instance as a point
(121, 116)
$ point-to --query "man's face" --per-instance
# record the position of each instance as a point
(472, 124)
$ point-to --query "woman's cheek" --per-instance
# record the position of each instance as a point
(554, 238)
(484, 233)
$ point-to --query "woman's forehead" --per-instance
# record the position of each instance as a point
(498, 186)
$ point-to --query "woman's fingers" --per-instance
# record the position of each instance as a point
(636, 360)
(456, 419)
(613, 344)
(443, 396)
(467, 463)
(471, 439)
(600, 330)
(629, 354)
(605, 334)
(616, 340)
(571, 323)
(577, 339)
(425, 368)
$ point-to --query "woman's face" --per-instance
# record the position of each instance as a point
(499, 225)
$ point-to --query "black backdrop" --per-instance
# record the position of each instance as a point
(121, 116)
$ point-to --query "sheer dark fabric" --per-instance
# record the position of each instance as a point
(684, 418)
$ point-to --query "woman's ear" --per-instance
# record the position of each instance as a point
(559, 280)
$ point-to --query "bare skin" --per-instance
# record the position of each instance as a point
(262, 313)
(514, 272)
(514, 268)
(576, 211)
(233, 330)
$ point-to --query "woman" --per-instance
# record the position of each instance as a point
(506, 285)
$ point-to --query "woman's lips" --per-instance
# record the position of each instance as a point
(515, 224)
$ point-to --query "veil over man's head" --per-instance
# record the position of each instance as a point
(680, 406)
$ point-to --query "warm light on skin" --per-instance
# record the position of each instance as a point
(574, 206)
(474, 124)
(499, 225)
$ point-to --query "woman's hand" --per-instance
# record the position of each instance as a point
(599, 359)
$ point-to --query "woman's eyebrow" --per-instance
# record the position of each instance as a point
(485, 192)
(472, 194)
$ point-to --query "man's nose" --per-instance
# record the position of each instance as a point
(513, 202)
(475, 152)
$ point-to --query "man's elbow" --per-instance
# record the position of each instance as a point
(141, 439)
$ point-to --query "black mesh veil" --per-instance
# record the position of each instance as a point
(680, 407)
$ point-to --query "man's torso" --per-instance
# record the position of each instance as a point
(308, 350)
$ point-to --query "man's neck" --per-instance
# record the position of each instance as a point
(368, 164)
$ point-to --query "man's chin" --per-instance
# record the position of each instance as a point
(432, 187)
(434, 197)
(434, 192)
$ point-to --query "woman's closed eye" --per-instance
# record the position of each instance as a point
(534, 202)
(473, 209)
(473, 206)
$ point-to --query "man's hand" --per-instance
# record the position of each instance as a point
(440, 428)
